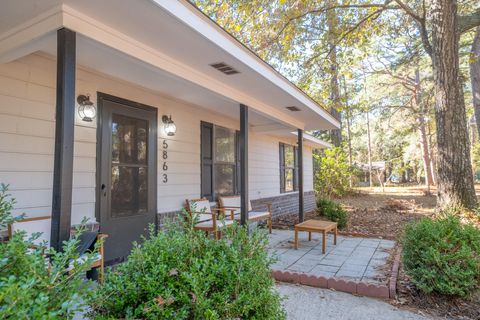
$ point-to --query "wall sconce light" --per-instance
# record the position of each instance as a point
(86, 108)
(169, 126)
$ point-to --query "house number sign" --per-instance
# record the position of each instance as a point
(165, 157)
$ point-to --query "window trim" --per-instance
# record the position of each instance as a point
(283, 168)
(235, 164)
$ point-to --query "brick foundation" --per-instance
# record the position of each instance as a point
(286, 204)
(282, 205)
(164, 217)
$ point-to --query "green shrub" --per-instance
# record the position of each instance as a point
(181, 274)
(332, 211)
(30, 290)
(442, 256)
(332, 173)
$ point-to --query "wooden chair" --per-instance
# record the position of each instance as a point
(233, 203)
(206, 216)
(43, 225)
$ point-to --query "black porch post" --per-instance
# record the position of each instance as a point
(64, 126)
(300, 176)
(243, 164)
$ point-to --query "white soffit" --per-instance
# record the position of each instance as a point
(190, 15)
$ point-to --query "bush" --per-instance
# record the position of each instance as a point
(442, 256)
(30, 290)
(181, 274)
(332, 173)
(332, 211)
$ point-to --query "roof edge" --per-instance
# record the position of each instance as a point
(308, 100)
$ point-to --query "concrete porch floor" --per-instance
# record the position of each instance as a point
(353, 258)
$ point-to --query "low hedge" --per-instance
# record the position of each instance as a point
(181, 274)
(442, 256)
(332, 211)
(33, 286)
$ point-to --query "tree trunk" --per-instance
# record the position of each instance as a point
(423, 122)
(455, 177)
(433, 159)
(369, 151)
(403, 176)
(349, 131)
(332, 23)
(475, 77)
(426, 155)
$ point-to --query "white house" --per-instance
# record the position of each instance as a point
(143, 64)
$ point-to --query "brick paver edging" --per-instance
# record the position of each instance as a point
(361, 288)
(382, 291)
(394, 274)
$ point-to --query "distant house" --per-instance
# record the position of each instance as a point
(119, 110)
(378, 169)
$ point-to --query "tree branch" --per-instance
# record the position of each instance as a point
(424, 35)
(383, 6)
(374, 15)
(420, 21)
(409, 10)
(468, 22)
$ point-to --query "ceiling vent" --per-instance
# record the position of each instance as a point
(293, 108)
(225, 68)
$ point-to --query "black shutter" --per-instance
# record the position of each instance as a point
(206, 153)
(295, 171)
(282, 167)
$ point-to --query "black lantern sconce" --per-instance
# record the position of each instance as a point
(86, 108)
(169, 126)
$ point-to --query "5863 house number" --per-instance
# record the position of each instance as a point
(165, 158)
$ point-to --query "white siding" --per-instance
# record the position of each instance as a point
(307, 169)
(27, 106)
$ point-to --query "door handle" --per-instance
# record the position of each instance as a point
(103, 186)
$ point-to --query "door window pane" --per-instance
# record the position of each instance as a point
(224, 145)
(129, 140)
(129, 191)
(224, 179)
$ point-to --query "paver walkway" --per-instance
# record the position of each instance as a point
(353, 258)
(307, 303)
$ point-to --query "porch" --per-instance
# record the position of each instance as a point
(353, 258)
(61, 161)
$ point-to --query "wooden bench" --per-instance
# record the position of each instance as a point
(233, 203)
(317, 226)
(42, 226)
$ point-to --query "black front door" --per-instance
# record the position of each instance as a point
(127, 173)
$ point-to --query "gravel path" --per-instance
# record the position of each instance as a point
(307, 303)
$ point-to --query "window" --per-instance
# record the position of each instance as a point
(219, 157)
(288, 168)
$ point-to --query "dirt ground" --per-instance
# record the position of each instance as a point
(385, 214)
(377, 213)
(374, 213)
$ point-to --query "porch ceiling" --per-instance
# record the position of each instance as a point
(105, 60)
(150, 44)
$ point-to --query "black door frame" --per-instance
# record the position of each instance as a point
(98, 176)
